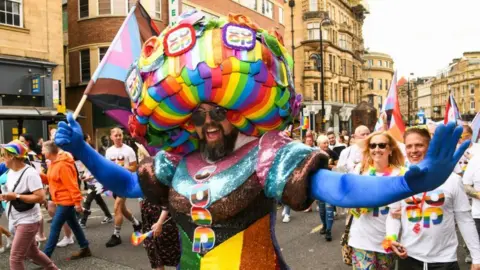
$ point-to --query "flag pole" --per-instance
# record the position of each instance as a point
(84, 98)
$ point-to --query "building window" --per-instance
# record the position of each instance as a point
(472, 89)
(251, 4)
(336, 92)
(104, 7)
(344, 67)
(280, 15)
(370, 83)
(267, 8)
(313, 30)
(315, 91)
(380, 81)
(472, 104)
(83, 8)
(101, 52)
(313, 5)
(380, 63)
(131, 3)
(158, 9)
(354, 72)
(386, 84)
(64, 20)
(370, 63)
(85, 66)
(11, 12)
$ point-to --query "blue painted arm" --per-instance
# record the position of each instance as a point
(114, 177)
(352, 191)
(3, 168)
(348, 190)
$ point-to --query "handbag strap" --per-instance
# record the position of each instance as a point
(347, 231)
(13, 190)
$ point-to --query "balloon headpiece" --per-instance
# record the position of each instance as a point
(233, 64)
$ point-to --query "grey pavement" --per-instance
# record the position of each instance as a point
(302, 246)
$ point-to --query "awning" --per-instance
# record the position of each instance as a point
(31, 113)
(345, 113)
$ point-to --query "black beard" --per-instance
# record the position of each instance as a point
(219, 149)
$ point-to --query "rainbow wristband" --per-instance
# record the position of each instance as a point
(387, 242)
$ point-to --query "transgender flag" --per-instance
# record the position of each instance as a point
(391, 108)
(106, 89)
(452, 114)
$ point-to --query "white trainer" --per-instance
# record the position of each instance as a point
(65, 242)
(286, 219)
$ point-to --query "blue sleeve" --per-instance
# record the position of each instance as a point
(354, 191)
(3, 168)
(114, 177)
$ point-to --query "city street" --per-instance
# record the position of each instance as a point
(303, 247)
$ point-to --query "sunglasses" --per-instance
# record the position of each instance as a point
(380, 145)
(217, 114)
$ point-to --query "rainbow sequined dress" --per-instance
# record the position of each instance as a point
(225, 211)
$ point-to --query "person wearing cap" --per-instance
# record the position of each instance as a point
(23, 186)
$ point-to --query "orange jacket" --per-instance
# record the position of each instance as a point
(62, 181)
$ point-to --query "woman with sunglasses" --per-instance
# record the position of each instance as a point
(426, 221)
(382, 158)
(224, 161)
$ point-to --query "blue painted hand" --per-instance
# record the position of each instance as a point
(69, 136)
(441, 158)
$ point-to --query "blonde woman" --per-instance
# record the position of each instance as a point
(382, 157)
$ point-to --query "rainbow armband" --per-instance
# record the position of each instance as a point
(387, 242)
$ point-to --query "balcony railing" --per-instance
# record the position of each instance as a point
(314, 15)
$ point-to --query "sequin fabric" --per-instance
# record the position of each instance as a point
(285, 162)
(296, 193)
(222, 183)
(269, 145)
(152, 189)
(165, 166)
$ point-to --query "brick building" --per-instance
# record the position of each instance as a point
(92, 25)
(31, 66)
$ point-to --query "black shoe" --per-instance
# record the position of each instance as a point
(114, 241)
(328, 236)
(137, 228)
(322, 230)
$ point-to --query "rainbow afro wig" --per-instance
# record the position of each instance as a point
(233, 64)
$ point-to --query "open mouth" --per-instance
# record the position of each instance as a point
(213, 134)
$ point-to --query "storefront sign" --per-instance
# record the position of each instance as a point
(56, 93)
(36, 84)
(173, 11)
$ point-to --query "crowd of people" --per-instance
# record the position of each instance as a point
(420, 232)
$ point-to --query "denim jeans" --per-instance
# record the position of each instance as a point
(326, 214)
(64, 214)
(286, 210)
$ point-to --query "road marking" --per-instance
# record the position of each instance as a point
(316, 229)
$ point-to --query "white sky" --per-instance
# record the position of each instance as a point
(422, 36)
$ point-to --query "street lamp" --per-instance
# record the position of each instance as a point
(319, 63)
(408, 98)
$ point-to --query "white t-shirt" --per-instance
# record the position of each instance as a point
(350, 157)
(472, 177)
(437, 239)
(464, 161)
(368, 231)
(123, 156)
(30, 182)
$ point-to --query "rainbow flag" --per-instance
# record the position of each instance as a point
(305, 123)
(391, 108)
(106, 89)
(452, 114)
(475, 127)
